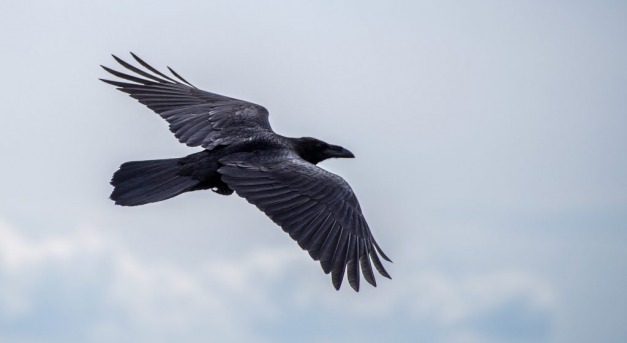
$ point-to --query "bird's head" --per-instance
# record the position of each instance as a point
(314, 150)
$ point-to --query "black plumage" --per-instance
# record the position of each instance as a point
(241, 153)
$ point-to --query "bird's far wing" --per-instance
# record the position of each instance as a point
(317, 208)
(196, 117)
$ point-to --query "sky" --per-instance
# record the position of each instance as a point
(490, 165)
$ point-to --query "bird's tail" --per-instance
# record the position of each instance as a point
(143, 182)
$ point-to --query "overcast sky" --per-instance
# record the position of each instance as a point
(491, 165)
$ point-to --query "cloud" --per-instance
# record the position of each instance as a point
(499, 306)
(88, 287)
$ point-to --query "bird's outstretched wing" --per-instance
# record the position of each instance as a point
(317, 208)
(196, 117)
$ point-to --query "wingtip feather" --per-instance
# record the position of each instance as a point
(381, 252)
(180, 77)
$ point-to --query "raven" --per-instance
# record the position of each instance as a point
(241, 153)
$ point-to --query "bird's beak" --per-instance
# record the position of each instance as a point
(338, 152)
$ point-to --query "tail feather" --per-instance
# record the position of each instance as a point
(143, 182)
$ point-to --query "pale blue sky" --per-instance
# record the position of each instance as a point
(490, 164)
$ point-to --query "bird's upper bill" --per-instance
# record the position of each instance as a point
(338, 152)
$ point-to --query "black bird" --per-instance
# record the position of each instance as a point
(241, 153)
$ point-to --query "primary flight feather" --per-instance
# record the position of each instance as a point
(241, 153)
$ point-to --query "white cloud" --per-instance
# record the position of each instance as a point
(454, 301)
(90, 281)
(130, 297)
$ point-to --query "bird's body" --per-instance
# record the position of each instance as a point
(241, 153)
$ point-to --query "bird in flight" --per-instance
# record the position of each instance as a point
(242, 154)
